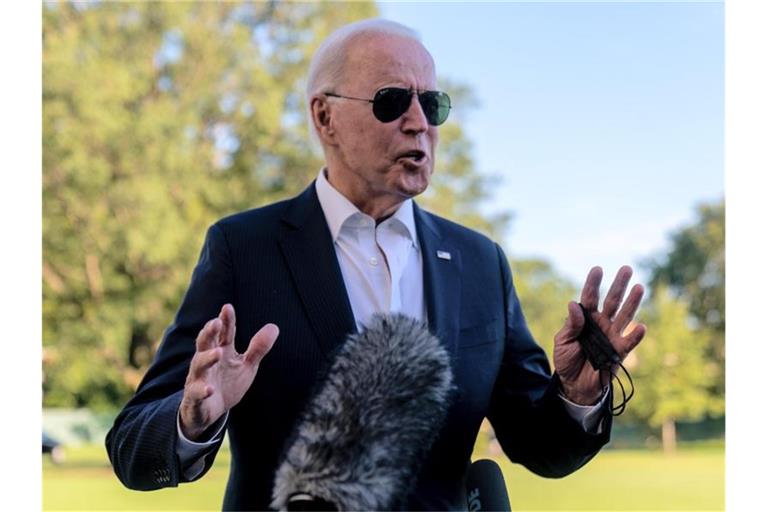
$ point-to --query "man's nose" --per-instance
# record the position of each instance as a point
(414, 119)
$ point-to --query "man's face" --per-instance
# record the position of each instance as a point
(376, 159)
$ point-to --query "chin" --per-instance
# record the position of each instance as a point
(413, 185)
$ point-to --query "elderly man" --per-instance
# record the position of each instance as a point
(319, 265)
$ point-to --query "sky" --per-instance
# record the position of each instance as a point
(603, 120)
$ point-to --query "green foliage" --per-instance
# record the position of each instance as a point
(158, 119)
(544, 296)
(694, 271)
(669, 367)
(695, 266)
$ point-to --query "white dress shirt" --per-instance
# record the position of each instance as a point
(382, 270)
(381, 265)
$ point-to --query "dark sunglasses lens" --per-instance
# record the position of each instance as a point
(391, 103)
(436, 106)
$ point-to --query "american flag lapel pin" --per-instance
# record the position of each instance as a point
(444, 255)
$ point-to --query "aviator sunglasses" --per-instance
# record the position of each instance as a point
(392, 102)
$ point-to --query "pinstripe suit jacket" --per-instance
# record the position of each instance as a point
(277, 264)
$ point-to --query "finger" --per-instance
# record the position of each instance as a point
(202, 361)
(590, 294)
(206, 339)
(261, 343)
(573, 324)
(628, 310)
(616, 293)
(197, 391)
(227, 317)
(632, 339)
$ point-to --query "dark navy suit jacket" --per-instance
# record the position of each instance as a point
(278, 264)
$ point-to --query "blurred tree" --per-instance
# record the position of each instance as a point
(158, 119)
(544, 296)
(694, 271)
(670, 369)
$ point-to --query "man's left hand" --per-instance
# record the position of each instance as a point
(581, 383)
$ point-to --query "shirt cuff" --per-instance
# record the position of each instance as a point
(192, 454)
(588, 416)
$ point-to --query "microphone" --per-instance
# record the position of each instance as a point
(365, 434)
(485, 487)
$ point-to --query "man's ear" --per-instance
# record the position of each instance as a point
(321, 118)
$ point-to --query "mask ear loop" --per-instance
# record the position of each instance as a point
(632, 391)
(624, 398)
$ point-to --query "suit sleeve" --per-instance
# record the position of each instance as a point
(142, 442)
(526, 411)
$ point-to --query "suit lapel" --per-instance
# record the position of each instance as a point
(309, 253)
(442, 279)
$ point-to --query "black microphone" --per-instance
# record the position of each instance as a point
(485, 487)
(364, 436)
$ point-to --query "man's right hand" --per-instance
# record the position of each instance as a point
(218, 376)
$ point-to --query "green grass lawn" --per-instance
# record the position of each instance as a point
(691, 479)
(626, 480)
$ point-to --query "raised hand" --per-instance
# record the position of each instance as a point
(218, 375)
(581, 383)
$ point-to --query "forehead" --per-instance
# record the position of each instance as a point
(376, 60)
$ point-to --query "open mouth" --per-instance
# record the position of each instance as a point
(416, 156)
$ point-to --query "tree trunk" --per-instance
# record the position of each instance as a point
(668, 436)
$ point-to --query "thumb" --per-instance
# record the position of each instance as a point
(261, 343)
(574, 323)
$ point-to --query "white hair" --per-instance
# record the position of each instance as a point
(327, 65)
(326, 69)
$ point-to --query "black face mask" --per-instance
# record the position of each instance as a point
(603, 358)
